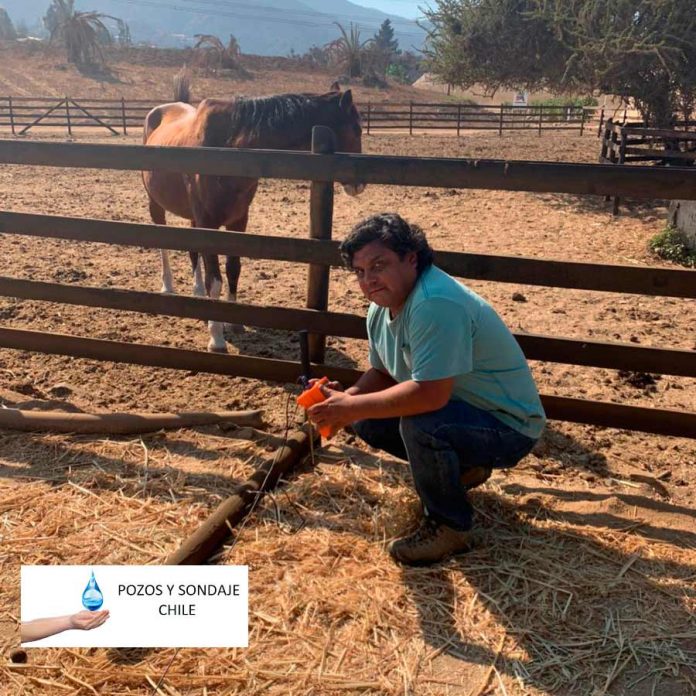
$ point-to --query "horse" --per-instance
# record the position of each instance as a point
(281, 122)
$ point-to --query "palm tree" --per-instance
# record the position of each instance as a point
(348, 51)
(83, 33)
(214, 54)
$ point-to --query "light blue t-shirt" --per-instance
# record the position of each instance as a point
(446, 330)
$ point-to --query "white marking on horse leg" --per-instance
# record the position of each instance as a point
(231, 296)
(217, 342)
(167, 282)
(198, 284)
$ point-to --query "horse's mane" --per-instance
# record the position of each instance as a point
(263, 116)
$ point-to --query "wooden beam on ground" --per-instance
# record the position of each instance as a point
(547, 177)
(217, 528)
(642, 280)
(119, 423)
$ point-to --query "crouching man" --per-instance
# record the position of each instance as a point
(448, 390)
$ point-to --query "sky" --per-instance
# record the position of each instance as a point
(404, 8)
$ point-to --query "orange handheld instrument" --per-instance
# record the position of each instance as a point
(312, 396)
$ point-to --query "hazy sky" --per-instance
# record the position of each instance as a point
(405, 8)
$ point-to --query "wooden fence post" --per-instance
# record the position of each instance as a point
(321, 199)
(123, 115)
(605, 140)
(601, 122)
(541, 111)
(67, 114)
(582, 121)
(459, 118)
(500, 125)
(620, 160)
(410, 118)
(12, 124)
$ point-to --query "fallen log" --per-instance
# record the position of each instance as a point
(119, 423)
(208, 538)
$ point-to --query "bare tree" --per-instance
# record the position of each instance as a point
(212, 54)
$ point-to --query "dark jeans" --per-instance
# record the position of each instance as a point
(440, 446)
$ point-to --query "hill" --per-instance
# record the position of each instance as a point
(266, 27)
(146, 73)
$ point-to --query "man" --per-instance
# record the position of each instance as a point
(448, 389)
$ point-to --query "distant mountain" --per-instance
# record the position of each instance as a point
(265, 27)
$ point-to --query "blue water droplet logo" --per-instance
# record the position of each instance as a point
(92, 598)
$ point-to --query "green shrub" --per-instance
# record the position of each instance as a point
(671, 245)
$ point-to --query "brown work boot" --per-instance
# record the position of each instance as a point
(474, 477)
(430, 543)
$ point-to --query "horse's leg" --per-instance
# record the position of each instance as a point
(213, 286)
(196, 267)
(158, 217)
(233, 268)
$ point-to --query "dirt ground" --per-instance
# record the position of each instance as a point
(42, 71)
(608, 514)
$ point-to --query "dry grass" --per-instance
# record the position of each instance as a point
(544, 605)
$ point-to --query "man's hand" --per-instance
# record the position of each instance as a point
(336, 411)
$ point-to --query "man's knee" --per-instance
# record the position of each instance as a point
(364, 429)
(419, 431)
(382, 434)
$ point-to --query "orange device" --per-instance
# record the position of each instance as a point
(312, 396)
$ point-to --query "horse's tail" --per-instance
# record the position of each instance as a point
(182, 86)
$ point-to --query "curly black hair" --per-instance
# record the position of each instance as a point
(394, 232)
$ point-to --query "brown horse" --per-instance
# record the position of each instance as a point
(282, 122)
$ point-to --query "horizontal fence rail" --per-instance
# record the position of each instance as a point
(535, 347)
(607, 414)
(119, 114)
(506, 269)
(517, 175)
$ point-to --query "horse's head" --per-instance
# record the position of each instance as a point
(346, 126)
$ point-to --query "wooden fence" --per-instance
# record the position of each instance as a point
(21, 114)
(636, 142)
(413, 116)
(322, 168)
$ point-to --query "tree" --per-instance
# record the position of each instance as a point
(83, 33)
(214, 55)
(384, 48)
(348, 51)
(643, 50)
(384, 39)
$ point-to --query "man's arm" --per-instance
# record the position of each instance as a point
(373, 380)
(405, 399)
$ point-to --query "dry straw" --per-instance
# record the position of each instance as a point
(544, 605)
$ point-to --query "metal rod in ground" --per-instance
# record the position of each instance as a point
(210, 536)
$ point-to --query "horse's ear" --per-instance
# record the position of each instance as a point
(346, 100)
(335, 87)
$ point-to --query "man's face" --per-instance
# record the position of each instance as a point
(384, 278)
